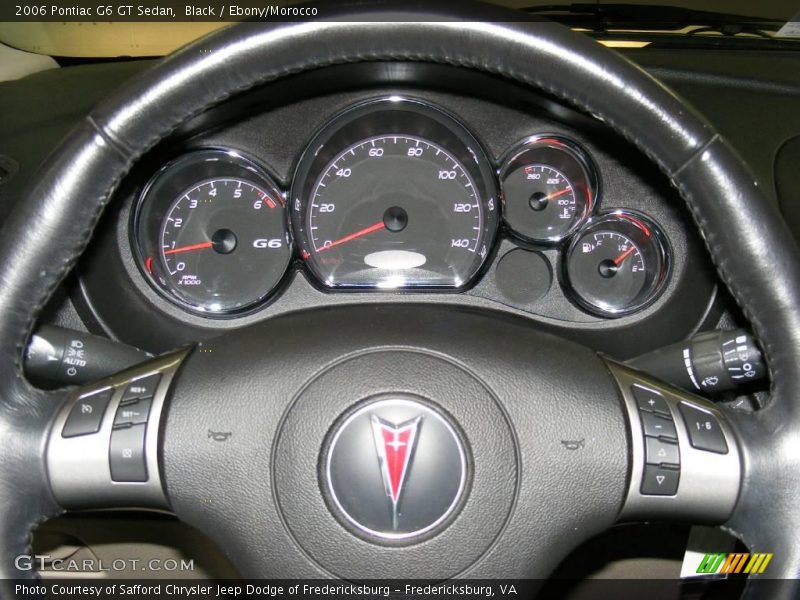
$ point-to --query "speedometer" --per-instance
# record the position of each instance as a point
(422, 222)
(410, 205)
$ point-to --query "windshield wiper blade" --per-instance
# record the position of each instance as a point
(604, 17)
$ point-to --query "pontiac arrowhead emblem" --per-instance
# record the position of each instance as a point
(394, 469)
(395, 446)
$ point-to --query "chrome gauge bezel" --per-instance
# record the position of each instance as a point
(358, 123)
(657, 282)
(546, 143)
(404, 116)
(174, 179)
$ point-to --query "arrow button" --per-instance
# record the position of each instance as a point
(659, 452)
(660, 481)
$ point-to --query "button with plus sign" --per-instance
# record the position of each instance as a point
(650, 400)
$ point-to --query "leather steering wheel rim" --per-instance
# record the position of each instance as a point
(745, 235)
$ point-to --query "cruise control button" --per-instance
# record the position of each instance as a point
(133, 413)
(657, 426)
(659, 452)
(141, 388)
(126, 455)
(87, 414)
(705, 432)
(658, 481)
(649, 400)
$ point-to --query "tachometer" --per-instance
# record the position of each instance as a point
(212, 233)
(410, 205)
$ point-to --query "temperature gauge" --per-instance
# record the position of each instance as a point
(617, 264)
(549, 188)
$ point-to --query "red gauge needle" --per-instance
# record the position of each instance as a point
(624, 255)
(267, 200)
(348, 238)
(555, 195)
(188, 248)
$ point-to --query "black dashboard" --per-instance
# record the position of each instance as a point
(391, 194)
(374, 184)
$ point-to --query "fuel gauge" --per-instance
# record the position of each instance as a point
(617, 264)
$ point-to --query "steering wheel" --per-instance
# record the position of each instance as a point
(408, 441)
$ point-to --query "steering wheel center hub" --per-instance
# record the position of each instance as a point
(418, 459)
(395, 469)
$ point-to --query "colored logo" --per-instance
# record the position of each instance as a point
(394, 469)
(395, 445)
(731, 563)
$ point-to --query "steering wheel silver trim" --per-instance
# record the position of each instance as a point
(709, 482)
(78, 467)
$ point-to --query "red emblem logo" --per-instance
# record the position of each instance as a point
(395, 446)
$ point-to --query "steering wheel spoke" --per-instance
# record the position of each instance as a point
(103, 445)
(685, 459)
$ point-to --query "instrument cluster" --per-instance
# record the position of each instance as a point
(391, 194)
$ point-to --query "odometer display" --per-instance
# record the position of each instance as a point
(395, 209)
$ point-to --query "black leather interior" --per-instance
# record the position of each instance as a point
(747, 239)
